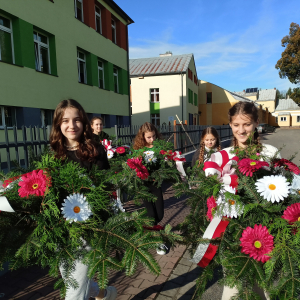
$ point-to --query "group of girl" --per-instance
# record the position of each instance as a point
(75, 138)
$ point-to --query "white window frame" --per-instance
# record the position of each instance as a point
(84, 61)
(81, 1)
(99, 68)
(43, 117)
(40, 44)
(99, 16)
(116, 75)
(298, 119)
(282, 119)
(9, 30)
(155, 118)
(153, 92)
(3, 116)
(114, 26)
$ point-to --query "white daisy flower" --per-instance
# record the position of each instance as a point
(150, 159)
(273, 188)
(76, 208)
(110, 154)
(149, 153)
(295, 188)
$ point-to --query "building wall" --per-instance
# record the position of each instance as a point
(291, 118)
(267, 104)
(215, 113)
(23, 86)
(170, 92)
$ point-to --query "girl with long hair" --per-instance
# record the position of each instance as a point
(97, 127)
(144, 139)
(243, 120)
(71, 139)
(210, 142)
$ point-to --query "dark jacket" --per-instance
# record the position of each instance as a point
(100, 137)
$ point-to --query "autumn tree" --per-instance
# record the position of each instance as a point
(289, 63)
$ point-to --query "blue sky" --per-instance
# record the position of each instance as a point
(236, 43)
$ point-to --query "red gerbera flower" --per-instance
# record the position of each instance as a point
(292, 213)
(33, 183)
(120, 150)
(141, 170)
(211, 207)
(257, 242)
(288, 165)
(163, 152)
(248, 166)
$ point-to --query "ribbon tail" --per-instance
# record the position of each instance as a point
(179, 166)
(117, 206)
(4, 205)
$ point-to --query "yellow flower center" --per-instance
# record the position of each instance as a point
(231, 202)
(272, 187)
(299, 192)
(299, 219)
(150, 159)
(253, 163)
(76, 209)
(35, 186)
(213, 209)
(257, 244)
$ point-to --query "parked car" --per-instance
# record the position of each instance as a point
(264, 127)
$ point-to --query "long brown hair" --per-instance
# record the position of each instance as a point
(87, 147)
(208, 130)
(139, 140)
(250, 110)
(96, 118)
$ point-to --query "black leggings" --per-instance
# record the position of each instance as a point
(155, 209)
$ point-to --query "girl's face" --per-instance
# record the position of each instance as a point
(150, 137)
(97, 126)
(71, 126)
(209, 141)
(242, 127)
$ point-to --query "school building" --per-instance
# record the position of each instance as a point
(287, 113)
(163, 87)
(52, 50)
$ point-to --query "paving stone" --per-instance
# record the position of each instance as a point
(181, 269)
(161, 278)
(170, 265)
(188, 288)
(146, 276)
(188, 297)
(163, 297)
(146, 284)
(177, 279)
(124, 297)
(170, 289)
(166, 272)
(185, 262)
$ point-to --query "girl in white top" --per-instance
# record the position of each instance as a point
(210, 142)
(243, 120)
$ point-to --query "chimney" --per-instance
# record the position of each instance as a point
(168, 53)
(244, 91)
(288, 97)
(274, 88)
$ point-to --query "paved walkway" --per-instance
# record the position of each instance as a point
(34, 283)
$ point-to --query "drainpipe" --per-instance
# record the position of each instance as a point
(128, 74)
(181, 97)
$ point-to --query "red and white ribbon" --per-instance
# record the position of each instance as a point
(4, 205)
(206, 251)
(221, 165)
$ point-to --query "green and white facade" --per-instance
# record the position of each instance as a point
(163, 87)
(52, 50)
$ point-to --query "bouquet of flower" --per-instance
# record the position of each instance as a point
(245, 217)
(143, 167)
(50, 214)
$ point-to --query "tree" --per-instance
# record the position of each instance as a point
(289, 63)
(296, 95)
(289, 92)
(280, 94)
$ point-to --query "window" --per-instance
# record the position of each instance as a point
(41, 50)
(190, 96)
(298, 119)
(282, 119)
(98, 19)
(101, 74)
(47, 117)
(208, 98)
(7, 116)
(81, 67)
(79, 10)
(119, 120)
(6, 41)
(155, 119)
(105, 119)
(116, 84)
(113, 31)
(195, 99)
(191, 119)
(154, 95)
(276, 119)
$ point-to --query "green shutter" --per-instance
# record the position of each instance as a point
(154, 108)
(195, 99)
(125, 83)
(120, 81)
(23, 43)
(92, 69)
(52, 49)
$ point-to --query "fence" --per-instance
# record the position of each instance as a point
(17, 141)
(184, 140)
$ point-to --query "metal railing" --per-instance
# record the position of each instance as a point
(184, 140)
(14, 144)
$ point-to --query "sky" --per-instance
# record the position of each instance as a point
(236, 43)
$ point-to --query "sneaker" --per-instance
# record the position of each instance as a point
(111, 293)
(162, 249)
